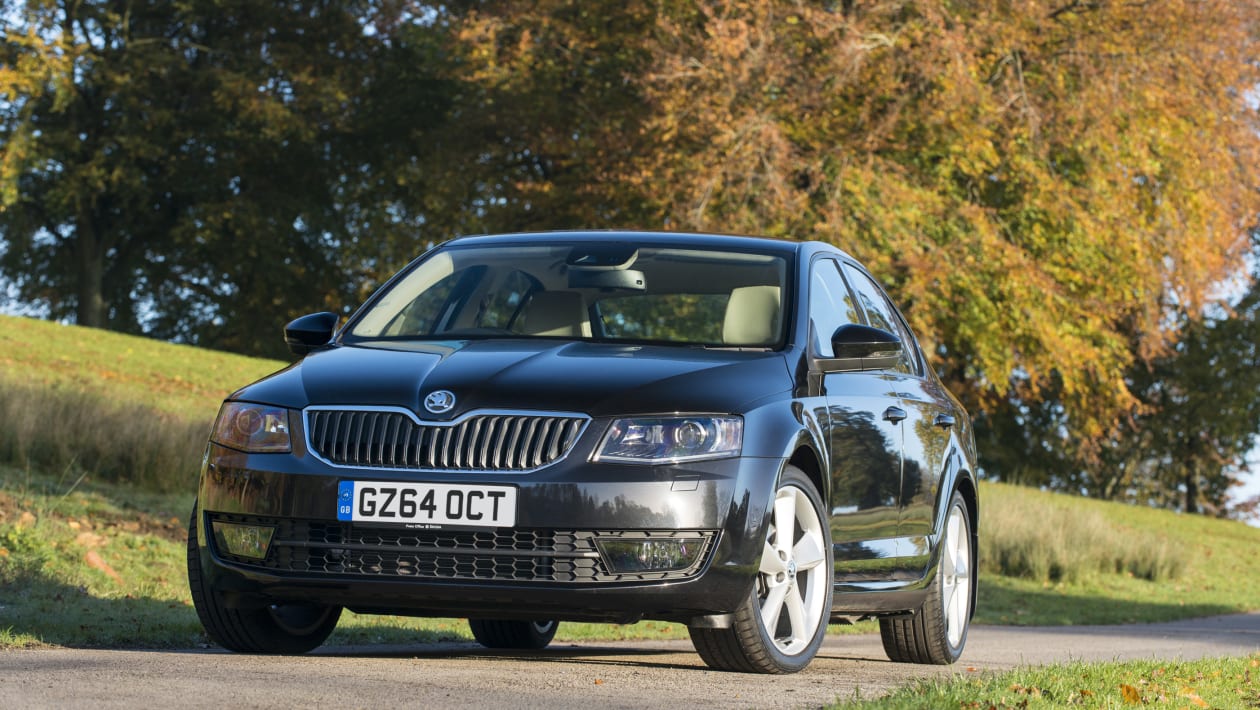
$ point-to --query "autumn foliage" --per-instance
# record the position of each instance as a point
(1051, 188)
(1038, 182)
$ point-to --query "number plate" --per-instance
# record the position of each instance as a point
(424, 504)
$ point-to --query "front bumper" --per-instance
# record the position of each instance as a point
(546, 567)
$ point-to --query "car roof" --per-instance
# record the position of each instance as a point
(709, 240)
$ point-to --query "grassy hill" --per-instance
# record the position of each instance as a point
(179, 380)
(100, 436)
(116, 407)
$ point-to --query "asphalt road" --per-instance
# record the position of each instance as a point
(587, 677)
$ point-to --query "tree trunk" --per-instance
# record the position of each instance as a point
(90, 271)
(1192, 488)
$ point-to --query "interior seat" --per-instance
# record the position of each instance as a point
(555, 313)
(752, 316)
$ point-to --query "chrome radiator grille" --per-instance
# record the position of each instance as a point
(481, 442)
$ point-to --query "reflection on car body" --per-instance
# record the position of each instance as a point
(738, 434)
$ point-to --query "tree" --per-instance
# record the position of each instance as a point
(1051, 188)
(195, 170)
(1039, 182)
(550, 107)
(1200, 415)
(1185, 446)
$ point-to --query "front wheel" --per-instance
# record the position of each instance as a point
(780, 626)
(505, 633)
(937, 633)
(276, 628)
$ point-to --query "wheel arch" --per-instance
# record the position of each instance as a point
(807, 460)
(959, 476)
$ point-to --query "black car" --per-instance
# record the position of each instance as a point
(738, 434)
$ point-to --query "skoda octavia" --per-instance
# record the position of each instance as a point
(741, 435)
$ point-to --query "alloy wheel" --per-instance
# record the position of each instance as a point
(792, 580)
(956, 572)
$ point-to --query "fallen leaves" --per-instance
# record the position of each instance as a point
(1130, 694)
(1189, 694)
(95, 561)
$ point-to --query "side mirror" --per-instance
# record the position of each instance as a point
(310, 332)
(861, 347)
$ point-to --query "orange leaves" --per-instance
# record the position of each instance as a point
(1038, 186)
(1130, 694)
(94, 560)
(1189, 694)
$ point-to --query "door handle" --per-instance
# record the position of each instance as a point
(894, 414)
(943, 421)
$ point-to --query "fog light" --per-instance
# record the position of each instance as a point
(650, 555)
(243, 540)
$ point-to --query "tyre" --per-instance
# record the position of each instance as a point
(781, 624)
(506, 633)
(937, 632)
(277, 628)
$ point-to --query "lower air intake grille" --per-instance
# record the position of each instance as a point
(334, 549)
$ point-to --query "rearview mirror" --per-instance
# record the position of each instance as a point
(622, 280)
(310, 332)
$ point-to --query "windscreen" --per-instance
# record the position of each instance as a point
(599, 292)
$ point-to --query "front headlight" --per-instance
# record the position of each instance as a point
(657, 440)
(253, 428)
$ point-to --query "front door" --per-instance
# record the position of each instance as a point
(864, 434)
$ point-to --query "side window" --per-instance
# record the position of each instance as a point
(879, 314)
(830, 305)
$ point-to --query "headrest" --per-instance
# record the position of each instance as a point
(554, 313)
(752, 316)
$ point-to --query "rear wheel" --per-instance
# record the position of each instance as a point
(781, 624)
(937, 633)
(507, 633)
(276, 628)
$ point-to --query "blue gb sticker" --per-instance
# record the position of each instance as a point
(345, 500)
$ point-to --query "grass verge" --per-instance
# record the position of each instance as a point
(53, 428)
(1210, 683)
(1213, 568)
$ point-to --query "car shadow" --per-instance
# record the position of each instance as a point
(657, 657)
(36, 606)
